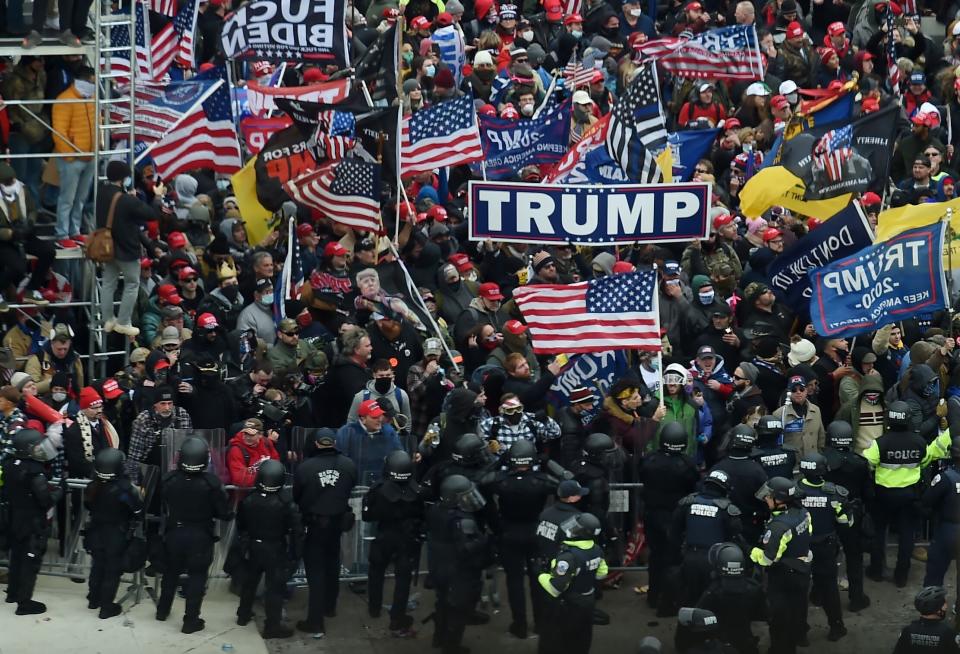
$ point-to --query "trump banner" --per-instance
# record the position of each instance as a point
(509, 145)
(589, 214)
(842, 235)
(883, 283)
(594, 371)
(288, 30)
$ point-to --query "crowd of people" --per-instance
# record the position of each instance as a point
(405, 372)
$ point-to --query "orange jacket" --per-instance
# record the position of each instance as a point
(76, 122)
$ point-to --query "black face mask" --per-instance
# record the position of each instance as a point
(382, 385)
(230, 292)
(842, 354)
(206, 379)
(513, 418)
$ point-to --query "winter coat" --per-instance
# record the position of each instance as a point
(243, 461)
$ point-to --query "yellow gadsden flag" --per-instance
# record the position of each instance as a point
(259, 219)
(777, 186)
(893, 221)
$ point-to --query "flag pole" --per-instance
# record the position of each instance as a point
(656, 312)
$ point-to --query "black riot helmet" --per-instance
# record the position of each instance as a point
(108, 464)
(781, 489)
(898, 415)
(580, 526)
(718, 479)
(813, 466)
(398, 467)
(470, 450)
(743, 439)
(597, 446)
(726, 559)
(673, 438)
(26, 445)
(523, 453)
(840, 435)
(769, 428)
(700, 621)
(194, 455)
(270, 476)
(458, 491)
(930, 600)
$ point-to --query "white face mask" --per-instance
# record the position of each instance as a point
(527, 35)
(636, 12)
(527, 109)
(84, 88)
(58, 397)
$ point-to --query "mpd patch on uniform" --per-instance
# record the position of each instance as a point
(766, 537)
(562, 567)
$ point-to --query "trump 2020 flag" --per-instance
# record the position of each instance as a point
(617, 312)
(880, 284)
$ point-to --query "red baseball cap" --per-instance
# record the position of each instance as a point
(207, 321)
(334, 249)
(445, 19)
(732, 123)
(870, 199)
(721, 220)
(794, 30)
(779, 102)
(420, 23)
(487, 110)
(176, 240)
(187, 272)
(554, 11)
(161, 364)
(304, 230)
(461, 261)
(168, 293)
(438, 213)
(370, 408)
(693, 6)
(623, 267)
(314, 75)
(836, 29)
(111, 389)
(771, 233)
(146, 263)
(515, 327)
(573, 18)
(490, 291)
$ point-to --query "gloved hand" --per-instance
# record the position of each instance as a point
(942, 409)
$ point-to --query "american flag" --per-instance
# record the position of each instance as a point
(120, 40)
(159, 108)
(336, 133)
(578, 73)
(444, 134)
(893, 71)
(637, 132)
(834, 150)
(165, 7)
(617, 312)
(346, 191)
(205, 138)
(724, 53)
(174, 41)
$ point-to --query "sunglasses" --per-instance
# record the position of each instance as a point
(171, 348)
(295, 332)
(739, 378)
(798, 387)
(510, 411)
(935, 153)
(190, 280)
(703, 171)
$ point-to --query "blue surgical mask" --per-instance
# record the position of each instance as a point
(576, 34)
(266, 299)
(430, 71)
(223, 184)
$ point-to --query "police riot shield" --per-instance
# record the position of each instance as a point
(172, 439)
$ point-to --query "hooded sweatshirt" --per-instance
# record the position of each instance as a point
(186, 188)
(241, 459)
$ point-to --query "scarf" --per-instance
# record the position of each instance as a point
(86, 433)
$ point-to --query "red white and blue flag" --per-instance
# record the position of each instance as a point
(444, 134)
(174, 41)
(120, 41)
(893, 71)
(164, 7)
(290, 281)
(617, 312)
(723, 53)
(834, 150)
(347, 192)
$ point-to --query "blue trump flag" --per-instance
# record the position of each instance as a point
(883, 283)
(844, 234)
(689, 147)
(509, 145)
(596, 371)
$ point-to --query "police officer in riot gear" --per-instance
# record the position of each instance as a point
(570, 495)
(460, 550)
(268, 526)
(746, 478)
(734, 596)
(521, 495)
(395, 504)
(113, 503)
(192, 499)
(930, 633)
(827, 505)
(697, 632)
(701, 520)
(570, 583)
(784, 551)
(776, 460)
(321, 488)
(898, 458)
(943, 498)
(848, 469)
(668, 476)
(27, 491)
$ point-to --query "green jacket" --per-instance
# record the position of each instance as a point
(679, 410)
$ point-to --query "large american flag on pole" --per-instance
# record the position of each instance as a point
(637, 132)
(617, 312)
(444, 134)
(578, 73)
(120, 40)
(346, 191)
(165, 7)
(289, 281)
(724, 53)
(174, 41)
(205, 138)
(834, 150)
(893, 70)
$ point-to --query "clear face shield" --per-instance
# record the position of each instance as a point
(471, 501)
